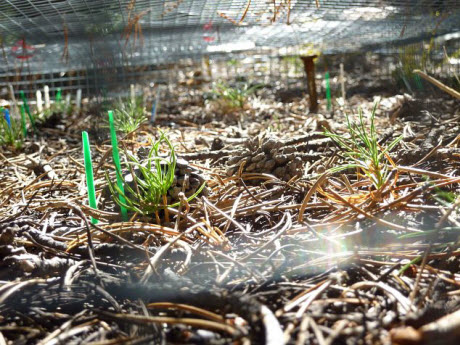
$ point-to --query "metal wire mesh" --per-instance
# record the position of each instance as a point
(52, 35)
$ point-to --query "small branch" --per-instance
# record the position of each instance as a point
(437, 83)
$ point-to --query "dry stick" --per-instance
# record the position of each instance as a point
(232, 213)
(226, 216)
(65, 326)
(312, 190)
(308, 299)
(199, 323)
(316, 331)
(121, 239)
(422, 172)
(220, 279)
(420, 271)
(18, 214)
(406, 198)
(424, 188)
(102, 215)
(437, 83)
(245, 11)
(80, 213)
(428, 249)
(149, 271)
(445, 330)
(13, 287)
(294, 302)
(189, 308)
(165, 203)
(274, 238)
(429, 154)
(370, 216)
(403, 301)
(274, 333)
(339, 326)
(249, 192)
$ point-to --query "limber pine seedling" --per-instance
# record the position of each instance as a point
(147, 184)
(10, 131)
(151, 180)
(234, 97)
(128, 116)
(362, 149)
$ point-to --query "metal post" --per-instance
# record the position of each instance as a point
(309, 65)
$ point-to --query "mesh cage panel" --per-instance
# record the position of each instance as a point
(52, 36)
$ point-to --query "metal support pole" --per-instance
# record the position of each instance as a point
(309, 65)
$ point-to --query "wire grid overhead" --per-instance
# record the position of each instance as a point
(42, 36)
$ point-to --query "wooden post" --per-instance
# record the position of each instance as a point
(309, 65)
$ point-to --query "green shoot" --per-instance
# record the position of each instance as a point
(89, 173)
(128, 116)
(11, 136)
(362, 149)
(26, 107)
(328, 92)
(234, 97)
(116, 160)
(147, 185)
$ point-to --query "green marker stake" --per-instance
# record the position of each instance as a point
(116, 160)
(328, 92)
(23, 122)
(418, 82)
(89, 174)
(26, 106)
(58, 95)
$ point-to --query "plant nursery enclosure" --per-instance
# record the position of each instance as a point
(229, 172)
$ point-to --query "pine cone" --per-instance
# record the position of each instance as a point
(268, 155)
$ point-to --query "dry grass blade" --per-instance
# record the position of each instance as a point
(188, 308)
(436, 82)
(206, 324)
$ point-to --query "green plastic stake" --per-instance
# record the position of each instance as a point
(89, 174)
(328, 92)
(58, 95)
(26, 106)
(418, 82)
(23, 121)
(116, 160)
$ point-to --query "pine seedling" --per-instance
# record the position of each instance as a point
(234, 97)
(362, 150)
(10, 133)
(128, 116)
(147, 184)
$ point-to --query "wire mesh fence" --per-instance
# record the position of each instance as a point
(87, 44)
